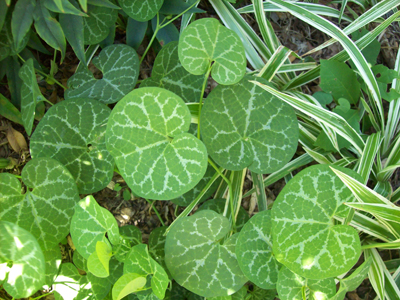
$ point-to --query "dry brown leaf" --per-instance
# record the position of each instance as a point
(16, 139)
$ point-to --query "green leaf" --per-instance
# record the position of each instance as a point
(352, 282)
(261, 294)
(103, 3)
(291, 286)
(305, 238)
(371, 51)
(36, 44)
(21, 259)
(206, 41)
(98, 261)
(135, 32)
(89, 225)
(70, 285)
(49, 29)
(96, 26)
(22, 19)
(128, 284)
(46, 208)
(130, 236)
(243, 126)
(120, 67)
(13, 80)
(63, 7)
(73, 132)
(30, 94)
(9, 111)
(167, 34)
(384, 76)
(254, 251)
(339, 80)
(156, 246)
(147, 136)
(79, 261)
(140, 10)
(3, 13)
(169, 74)
(53, 261)
(176, 7)
(198, 261)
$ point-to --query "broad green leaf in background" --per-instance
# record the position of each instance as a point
(9, 111)
(47, 206)
(291, 286)
(120, 67)
(261, 294)
(156, 246)
(71, 285)
(53, 261)
(96, 26)
(207, 41)
(128, 284)
(135, 32)
(104, 3)
(3, 13)
(371, 51)
(305, 238)
(22, 19)
(254, 251)
(352, 282)
(339, 80)
(34, 42)
(79, 261)
(98, 261)
(147, 136)
(30, 94)
(323, 98)
(218, 205)
(169, 73)
(73, 132)
(63, 7)
(175, 7)
(21, 259)
(140, 10)
(89, 225)
(243, 126)
(188, 197)
(49, 29)
(385, 76)
(166, 34)
(130, 236)
(198, 261)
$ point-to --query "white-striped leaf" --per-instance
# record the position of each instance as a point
(96, 27)
(140, 10)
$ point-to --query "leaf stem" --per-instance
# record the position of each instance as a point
(155, 210)
(177, 16)
(201, 98)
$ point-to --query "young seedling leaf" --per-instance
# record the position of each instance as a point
(53, 261)
(47, 206)
(254, 251)
(96, 26)
(244, 126)
(128, 284)
(305, 238)
(339, 80)
(98, 261)
(198, 261)
(30, 94)
(291, 286)
(140, 10)
(120, 67)
(89, 225)
(73, 132)
(21, 259)
(168, 73)
(206, 42)
(147, 136)
(130, 236)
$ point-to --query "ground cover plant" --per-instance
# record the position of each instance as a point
(172, 138)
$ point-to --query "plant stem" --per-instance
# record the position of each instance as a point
(201, 98)
(394, 245)
(155, 210)
(177, 16)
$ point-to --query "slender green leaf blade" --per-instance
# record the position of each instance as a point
(9, 111)
(73, 30)
(22, 19)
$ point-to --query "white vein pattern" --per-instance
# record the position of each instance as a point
(45, 211)
(90, 223)
(197, 260)
(97, 26)
(18, 246)
(146, 135)
(141, 10)
(254, 251)
(205, 41)
(169, 73)
(305, 238)
(243, 126)
(120, 67)
(65, 133)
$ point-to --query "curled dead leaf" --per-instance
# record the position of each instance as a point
(16, 139)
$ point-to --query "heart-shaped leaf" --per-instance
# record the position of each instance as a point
(140, 10)
(120, 67)
(244, 126)
(53, 261)
(30, 94)
(98, 261)
(305, 238)
(254, 251)
(128, 284)
(73, 132)
(207, 41)
(291, 286)
(21, 259)
(47, 206)
(169, 73)
(147, 136)
(198, 261)
(89, 225)
(96, 26)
